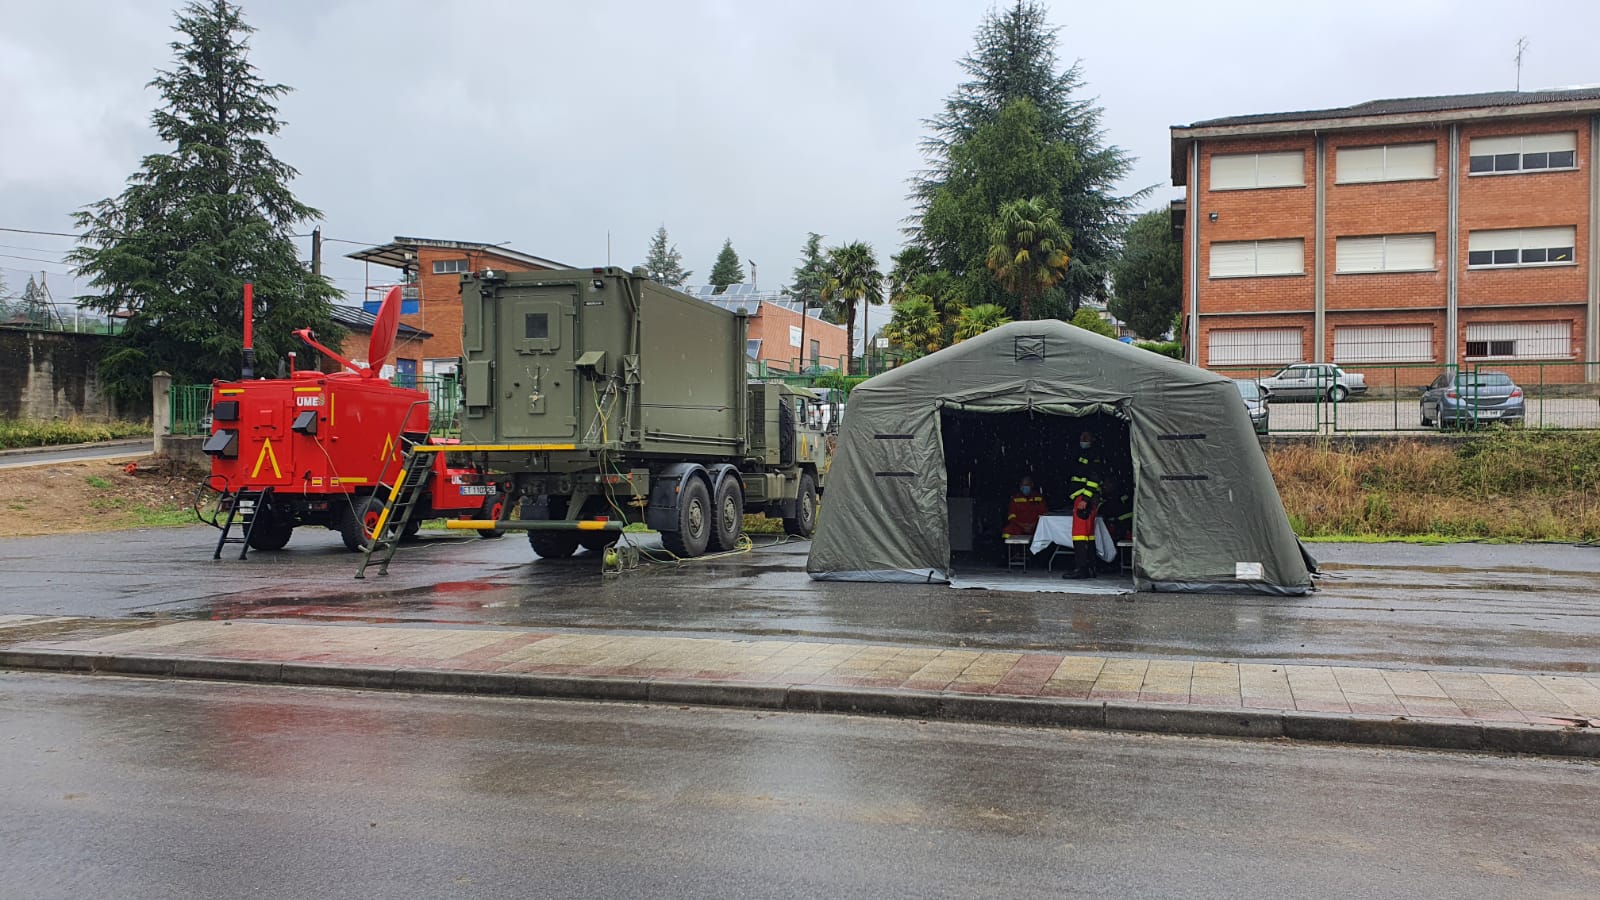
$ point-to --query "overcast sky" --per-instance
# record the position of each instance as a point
(547, 125)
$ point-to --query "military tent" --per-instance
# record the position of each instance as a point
(924, 439)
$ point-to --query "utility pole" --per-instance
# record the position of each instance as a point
(316, 251)
(1522, 47)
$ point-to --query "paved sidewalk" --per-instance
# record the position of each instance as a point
(1190, 696)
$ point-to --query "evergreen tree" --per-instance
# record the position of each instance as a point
(1147, 279)
(664, 262)
(198, 220)
(727, 269)
(811, 276)
(1090, 320)
(1015, 129)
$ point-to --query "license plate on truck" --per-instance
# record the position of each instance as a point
(475, 490)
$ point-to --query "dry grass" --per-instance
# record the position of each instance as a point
(1500, 486)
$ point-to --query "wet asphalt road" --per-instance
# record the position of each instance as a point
(13, 459)
(1519, 608)
(134, 789)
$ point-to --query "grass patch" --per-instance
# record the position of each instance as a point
(98, 483)
(18, 433)
(1510, 486)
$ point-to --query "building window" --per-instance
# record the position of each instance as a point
(752, 348)
(1383, 344)
(1254, 346)
(1385, 253)
(1391, 162)
(1520, 340)
(1247, 171)
(816, 353)
(449, 266)
(1521, 247)
(1523, 153)
(1249, 259)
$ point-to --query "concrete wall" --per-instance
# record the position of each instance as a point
(54, 375)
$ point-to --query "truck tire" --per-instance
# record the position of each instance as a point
(694, 521)
(271, 531)
(493, 507)
(727, 521)
(595, 543)
(553, 544)
(358, 521)
(804, 523)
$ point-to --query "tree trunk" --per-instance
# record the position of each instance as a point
(849, 334)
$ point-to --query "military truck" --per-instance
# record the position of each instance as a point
(604, 398)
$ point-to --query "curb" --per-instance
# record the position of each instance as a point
(59, 448)
(1438, 734)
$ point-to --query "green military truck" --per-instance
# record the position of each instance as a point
(605, 398)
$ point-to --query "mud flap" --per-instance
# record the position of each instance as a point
(665, 488)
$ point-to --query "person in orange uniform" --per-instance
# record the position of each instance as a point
(1086, 478)
(1022, 516)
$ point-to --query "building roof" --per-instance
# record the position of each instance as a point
(401, 253)
(1382, 113)
(358, 319)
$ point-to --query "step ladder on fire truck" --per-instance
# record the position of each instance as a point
(244, 508)
(399, 502)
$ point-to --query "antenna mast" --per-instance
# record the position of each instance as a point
(1522, 47)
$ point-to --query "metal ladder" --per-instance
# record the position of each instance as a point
(400, 501)
(243, 507)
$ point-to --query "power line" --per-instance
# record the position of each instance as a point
(36, 231)
(53, 262)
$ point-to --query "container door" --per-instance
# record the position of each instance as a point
(536, 379)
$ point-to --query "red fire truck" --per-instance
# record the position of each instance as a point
(315, 448)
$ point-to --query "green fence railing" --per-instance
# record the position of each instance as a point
(190, 408)
(190, 404)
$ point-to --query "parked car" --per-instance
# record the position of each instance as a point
(1309, 381)
(1256, 401)
(1462, 398)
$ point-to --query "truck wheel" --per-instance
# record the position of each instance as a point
(412, 527)
(1338, 392)
(271, 531)
(553, 544)
(358, 522)
(595, 543)
(494, 508)
(694, 521)
(804, 522)
(728, 515)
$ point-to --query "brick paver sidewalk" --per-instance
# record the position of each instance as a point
(1434, 694)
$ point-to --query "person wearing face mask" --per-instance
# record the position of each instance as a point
(1027, 505)
(1087, 473)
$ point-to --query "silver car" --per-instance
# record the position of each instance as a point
(1256, 403)
(1455, 399)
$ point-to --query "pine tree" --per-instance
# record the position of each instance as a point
(1016, 129)
(727, 270)
(198, 220)
(1147, 278)
(664, 262)
(811, 276)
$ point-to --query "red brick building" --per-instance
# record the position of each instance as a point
(1417, 232)
(777, 337)
(429, 273)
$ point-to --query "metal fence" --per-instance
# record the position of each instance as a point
(1554, 395)
(190, 404)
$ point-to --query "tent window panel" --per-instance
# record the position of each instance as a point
(1383, 344)
(1520, 340)
(1254, 346)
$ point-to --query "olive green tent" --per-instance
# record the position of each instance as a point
(1207, 514)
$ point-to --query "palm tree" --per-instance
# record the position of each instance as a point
(914, 326)
(910, 264)
(1028, 250)
(975, 320)
(853, 276)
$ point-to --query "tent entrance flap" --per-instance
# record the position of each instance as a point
(987, 454)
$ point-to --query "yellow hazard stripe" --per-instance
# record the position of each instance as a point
(352, 480)
(309, 390)
(490, 448)
(230, 390)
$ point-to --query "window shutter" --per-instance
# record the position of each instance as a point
(1357, 164)
(1233, 259)
(1281, 169)
(1494, 240)
(1359, 254)
(1253, 346)
(1233, 171)
(1404, 161)
(1549, 143)
(1383, 344)
(1492, 146)
(1548, 237)
(1280, 257)
(1408, 251)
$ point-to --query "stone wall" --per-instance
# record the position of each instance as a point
(54, 375)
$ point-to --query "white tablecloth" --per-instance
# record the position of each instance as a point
(1052, 530)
